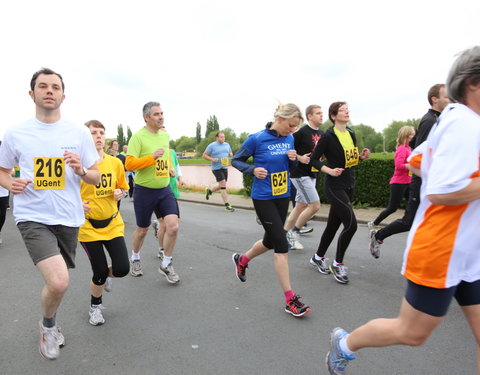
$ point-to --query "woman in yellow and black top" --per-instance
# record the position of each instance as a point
(339, 147)
(103, 224)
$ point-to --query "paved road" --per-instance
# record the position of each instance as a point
(211, 323)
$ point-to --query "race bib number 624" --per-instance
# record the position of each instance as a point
(279, 182)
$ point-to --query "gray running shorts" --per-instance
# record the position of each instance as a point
(44, 241)
(306, 189)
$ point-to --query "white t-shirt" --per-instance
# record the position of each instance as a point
(443, 246)
(30, 145)
(3, 192)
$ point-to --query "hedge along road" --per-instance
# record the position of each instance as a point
(211, 323)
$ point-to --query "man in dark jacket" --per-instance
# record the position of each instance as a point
(438, 99)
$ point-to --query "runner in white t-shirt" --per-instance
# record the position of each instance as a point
(441, 260)
(54, 155)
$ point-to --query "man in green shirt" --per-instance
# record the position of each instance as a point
(149, 155)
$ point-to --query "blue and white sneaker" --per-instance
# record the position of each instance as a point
(336, 360)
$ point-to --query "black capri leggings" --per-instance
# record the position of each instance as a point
(3, 210)
(341, 211)
(272, 213)
(117, 249)
(397, 192)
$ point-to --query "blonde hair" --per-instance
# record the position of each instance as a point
(403, 134)
(288, 110)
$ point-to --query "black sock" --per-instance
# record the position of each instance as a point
(96, 300)
(49, 322)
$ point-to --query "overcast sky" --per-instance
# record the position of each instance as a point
(231, 59)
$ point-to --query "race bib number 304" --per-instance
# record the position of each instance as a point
(161, 168)
(279, 182)
(48, 173)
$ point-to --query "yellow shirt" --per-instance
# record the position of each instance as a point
(349, 149)
(102, 203)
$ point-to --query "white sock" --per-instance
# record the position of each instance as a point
(318, 258)
(135, 256)
(161, 249)
(344, 346)
(166, 261)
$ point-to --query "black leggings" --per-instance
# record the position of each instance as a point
(397, 192)
(3, 210)
(272, 213)
(405, 223)
(341, 211)
(117, 249)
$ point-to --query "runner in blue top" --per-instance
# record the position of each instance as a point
(218, 153)
(274, 156)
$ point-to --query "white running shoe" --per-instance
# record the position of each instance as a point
(169, 273)
(49, 346)
(293, 243)
(108, 285)
(96, 317)
(136, 268)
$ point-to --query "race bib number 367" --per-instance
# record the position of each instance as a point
(48, 173)
(279, 183)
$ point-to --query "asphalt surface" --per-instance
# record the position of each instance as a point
(211, 323)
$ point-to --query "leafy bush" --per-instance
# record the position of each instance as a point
(372, 186)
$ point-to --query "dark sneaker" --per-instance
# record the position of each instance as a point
(155, 226)
(339, 273)
(321, 265)
(374, 244)
(336, 360)
(208, 192)
(239, 269)
(297, 308)
(305, 229)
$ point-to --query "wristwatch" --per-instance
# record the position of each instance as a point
(85, 171)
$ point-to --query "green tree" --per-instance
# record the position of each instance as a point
(120, 136)
(230, 137)
(212, 125)
(185, 144)
(391, 131)
(243, 137)
(129, 134)
(367, 137)
(199, 133)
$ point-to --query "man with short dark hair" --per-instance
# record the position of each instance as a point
(48, 208)
(304, 177)
(438, 99)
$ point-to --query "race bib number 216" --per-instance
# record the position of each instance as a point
(48, 173)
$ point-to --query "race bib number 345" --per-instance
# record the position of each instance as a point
(279, 183)
(48, 173)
